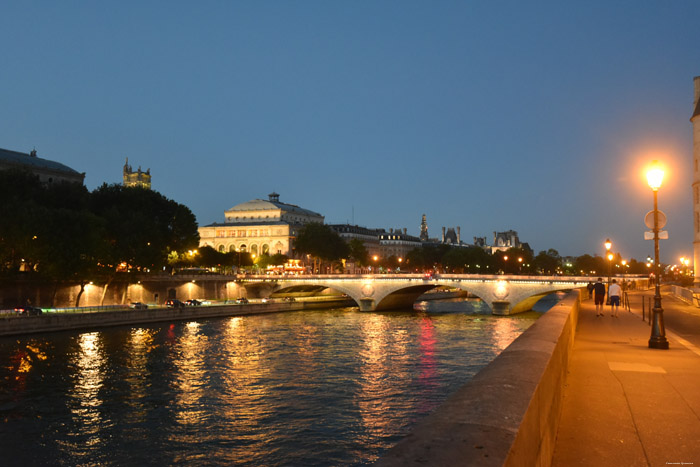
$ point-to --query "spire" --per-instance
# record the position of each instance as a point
(424, 229)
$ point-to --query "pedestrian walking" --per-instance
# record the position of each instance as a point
(599, 294)
(590, 289)
(615, 292)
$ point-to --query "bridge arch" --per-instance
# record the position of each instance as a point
(503, 294)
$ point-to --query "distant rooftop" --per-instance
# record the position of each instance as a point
(32, 161)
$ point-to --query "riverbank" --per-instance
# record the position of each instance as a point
(65, 321)
(508, 413)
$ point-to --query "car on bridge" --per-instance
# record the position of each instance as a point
(242, 300)
(192, 302)
(138, 306)
(174, 303)
(28, 310)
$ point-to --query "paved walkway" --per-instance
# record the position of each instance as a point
(626, 404)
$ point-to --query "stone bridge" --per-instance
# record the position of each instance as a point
(504, 294)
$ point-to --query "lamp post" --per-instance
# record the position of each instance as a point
(608, 245)
(658, 334)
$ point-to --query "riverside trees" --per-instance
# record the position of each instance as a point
(62, 231)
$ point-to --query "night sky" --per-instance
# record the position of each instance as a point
(532, 116)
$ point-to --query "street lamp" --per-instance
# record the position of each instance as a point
(658, 335)
(608, 245)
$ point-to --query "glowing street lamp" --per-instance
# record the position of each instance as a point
(608, 245)
(658, 340)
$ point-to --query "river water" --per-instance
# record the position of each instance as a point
(326, 387)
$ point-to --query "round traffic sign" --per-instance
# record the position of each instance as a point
(649, 219)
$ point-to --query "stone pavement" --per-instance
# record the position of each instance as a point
(625, 404)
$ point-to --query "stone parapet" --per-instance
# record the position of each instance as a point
(509, 412)
(51, 322)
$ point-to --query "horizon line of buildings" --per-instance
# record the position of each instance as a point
(270, 226)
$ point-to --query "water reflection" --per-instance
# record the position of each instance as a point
(190, 374)
(428, 376)
(325, 387)
(84, 397)
(505, 331)
(141, 342)
(384, 359)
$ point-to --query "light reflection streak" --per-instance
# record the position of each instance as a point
(428, 376)
(246, 401)
(84, 396)
(190, 374)
(139, 345)
(22, 360)
(504, 333)
(383, 362)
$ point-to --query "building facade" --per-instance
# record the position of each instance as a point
(138, 178)
(695, 119)
(369, 237)
(47, 171)
(397, 243)
(258, 227)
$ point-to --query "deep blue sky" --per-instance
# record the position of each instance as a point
(531, 116)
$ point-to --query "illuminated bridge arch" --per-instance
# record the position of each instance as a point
(503, 294)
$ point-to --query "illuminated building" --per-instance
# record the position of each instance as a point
(258, 227)
(138, 178)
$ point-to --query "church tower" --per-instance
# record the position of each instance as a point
(695, 119)
(139, 178)
(423, 230)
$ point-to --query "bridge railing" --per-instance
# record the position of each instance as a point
(691, 297)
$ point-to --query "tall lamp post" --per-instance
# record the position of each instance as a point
(658, 339)
(608, 255)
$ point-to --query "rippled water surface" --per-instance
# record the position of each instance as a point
(328, 387)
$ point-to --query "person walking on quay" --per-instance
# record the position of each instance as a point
(599, 293)
(615, 292)
(590, 289)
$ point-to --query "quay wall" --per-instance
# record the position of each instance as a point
(508, 414)
(150, 289)
(53, 322)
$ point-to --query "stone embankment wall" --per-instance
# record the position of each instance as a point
(509, 412)
(151, 289)
(51, 322)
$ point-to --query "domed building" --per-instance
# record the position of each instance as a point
(258, 226)
(48, 171)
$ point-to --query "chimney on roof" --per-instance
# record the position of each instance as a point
(33, 153)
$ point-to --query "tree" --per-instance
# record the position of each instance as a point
(21, 210)
(143, 225)
(322, 243)
(143, 228)
(358, 252)
(265, 260)
(547, 262)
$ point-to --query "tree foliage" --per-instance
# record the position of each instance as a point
(322, 242)
(63, 232)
